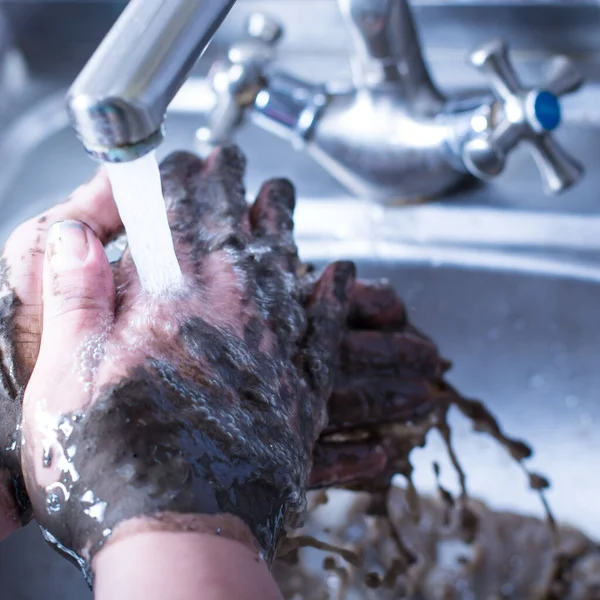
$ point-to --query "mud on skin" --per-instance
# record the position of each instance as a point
(12, 384)
(209, 400)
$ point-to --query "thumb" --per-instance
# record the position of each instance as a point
(78, 295)
(78, 288)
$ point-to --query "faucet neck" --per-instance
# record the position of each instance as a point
(387, 51)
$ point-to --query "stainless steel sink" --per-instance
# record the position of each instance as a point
(506, 280)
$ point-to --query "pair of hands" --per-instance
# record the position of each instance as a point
(165, 414)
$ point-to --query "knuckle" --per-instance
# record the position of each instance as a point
(73, 294)
(72, 302)
(77, 313)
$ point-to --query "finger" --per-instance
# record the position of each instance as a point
(376, 305)
(364, 401)
(206, 199)
(78, 298)
(272, 221)
(326, 313)
(347, 463)
(78, 290)
(445, 364)
(272, 214)
(93, 204)
(276, 261)
(381, 352)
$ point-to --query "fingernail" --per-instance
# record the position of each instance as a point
(67, 246)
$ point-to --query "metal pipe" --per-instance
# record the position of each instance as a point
(118, 102)
(387, 50)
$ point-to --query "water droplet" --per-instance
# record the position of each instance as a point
(88, 497)
(96, 511)
(47, 457)
(126, 471)
(52, 502)
(66, 428)
(86, 375)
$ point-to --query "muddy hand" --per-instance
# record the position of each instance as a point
(20, 324)
(388, 373)
(162, 413)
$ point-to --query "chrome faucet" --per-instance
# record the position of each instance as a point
(118, 102)
(393, 134)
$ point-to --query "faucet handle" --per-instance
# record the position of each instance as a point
(492, 60)
(237, 80)
(527, 115)
(563, 77)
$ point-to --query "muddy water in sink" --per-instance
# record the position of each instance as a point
(525, 344)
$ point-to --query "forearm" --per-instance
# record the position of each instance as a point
(181, 566)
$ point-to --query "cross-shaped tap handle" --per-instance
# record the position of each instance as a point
(237, 80)
(527, 115)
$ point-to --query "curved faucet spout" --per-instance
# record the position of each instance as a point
(118, 102)
(394, 136)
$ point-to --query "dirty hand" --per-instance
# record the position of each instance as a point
(384, 369)
(387, 374)
(20, 326)
(147, 413)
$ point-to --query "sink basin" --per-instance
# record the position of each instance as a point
(506, 281)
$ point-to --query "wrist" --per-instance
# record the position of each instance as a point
(221, 525)
(148, 559)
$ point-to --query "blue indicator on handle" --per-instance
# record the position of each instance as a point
(546, 109)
